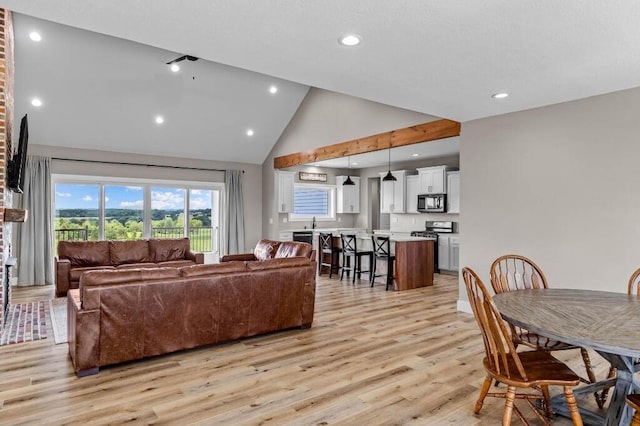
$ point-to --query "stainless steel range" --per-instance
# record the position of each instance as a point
(432, 229)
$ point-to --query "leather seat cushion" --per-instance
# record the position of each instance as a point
(75, 273)
(137, 266)
(213, 269)
(176, 263)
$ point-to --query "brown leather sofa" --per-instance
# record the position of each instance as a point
(77, 257)
(270, 249)
(122, 315)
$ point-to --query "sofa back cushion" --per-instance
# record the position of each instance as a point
(85, 253)
(266, 249)
(136, 251)
(165, 250)
(281, 263)
(213, 269)
(294, 249)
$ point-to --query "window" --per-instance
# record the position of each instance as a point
(313, 201)
(137, 210)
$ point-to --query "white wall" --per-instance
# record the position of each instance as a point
(251, 179)
(326, 118)
(559, 184)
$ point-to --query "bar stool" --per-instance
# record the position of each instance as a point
(382, 251)
(350, 250)
(328, 249)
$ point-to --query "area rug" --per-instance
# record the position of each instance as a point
(25, 322)
(58, 315)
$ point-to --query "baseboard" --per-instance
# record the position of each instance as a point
(464, 306)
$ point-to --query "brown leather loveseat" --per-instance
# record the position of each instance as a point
(77, 257)
(122, 315)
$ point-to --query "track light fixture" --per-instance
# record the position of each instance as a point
(349, 181)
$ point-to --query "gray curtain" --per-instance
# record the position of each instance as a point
(235, 212)
(35, 248)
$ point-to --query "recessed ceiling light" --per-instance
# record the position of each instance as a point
(415, 155)
(349, 40)
(175, 67)
(159, 119)
(273, 90)
(36, 102)
(249, 132)
(499, 95)
(35, 36)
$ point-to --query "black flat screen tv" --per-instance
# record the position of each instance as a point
(15, 171)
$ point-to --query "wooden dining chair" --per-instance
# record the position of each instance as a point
(515, 272)
(634, 402)
(536, 369)
(633, 288)
(351, 251)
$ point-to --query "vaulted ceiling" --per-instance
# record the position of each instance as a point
(440, 58)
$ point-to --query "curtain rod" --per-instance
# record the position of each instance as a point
(139, 164)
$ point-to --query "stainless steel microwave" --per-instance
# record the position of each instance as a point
(432, 203)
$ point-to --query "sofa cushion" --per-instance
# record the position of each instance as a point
(164, 250)
(213, 269)
(85, 253)
(137, 265)
(280, 263)
(133, 251)
(266, 249)
(176, 263)
(75, 273)
(119, 276)
(293, 249)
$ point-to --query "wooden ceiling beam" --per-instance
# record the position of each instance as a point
(427, 132)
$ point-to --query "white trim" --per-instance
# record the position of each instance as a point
(464, 306)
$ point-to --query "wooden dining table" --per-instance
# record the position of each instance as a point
(608, 323)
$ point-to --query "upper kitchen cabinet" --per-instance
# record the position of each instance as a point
(348, 195)
(433, 180)
(284, 185)
(393, 192)
(453, 192)
(413, 189)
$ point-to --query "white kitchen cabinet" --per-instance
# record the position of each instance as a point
(393, 192)
(413, 189)
(348, 195)
(285, 236)
(453, 192)
(284, 186)
(433, 180)
(448, 252)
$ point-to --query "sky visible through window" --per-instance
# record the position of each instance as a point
(74, 196)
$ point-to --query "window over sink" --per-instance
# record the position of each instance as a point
(313, 200)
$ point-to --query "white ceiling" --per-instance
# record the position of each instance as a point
(443, 58)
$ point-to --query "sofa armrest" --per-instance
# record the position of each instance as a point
(63, 270)
(198, 258)
(83, 331)
(238, 257)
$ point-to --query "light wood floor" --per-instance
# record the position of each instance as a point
(371, 358)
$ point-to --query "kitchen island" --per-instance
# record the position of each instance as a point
(414, 260)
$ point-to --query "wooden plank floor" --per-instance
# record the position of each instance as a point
(371, 358)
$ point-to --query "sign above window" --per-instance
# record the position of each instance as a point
(314, 177)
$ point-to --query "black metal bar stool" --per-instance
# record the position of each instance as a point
(328, 249)
(349, 251)
(382, 251)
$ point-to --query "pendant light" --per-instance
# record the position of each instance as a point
(348, 181)
(389, 176)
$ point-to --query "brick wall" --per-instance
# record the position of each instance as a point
(6, 125)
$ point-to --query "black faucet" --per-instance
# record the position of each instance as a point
(313, 223)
